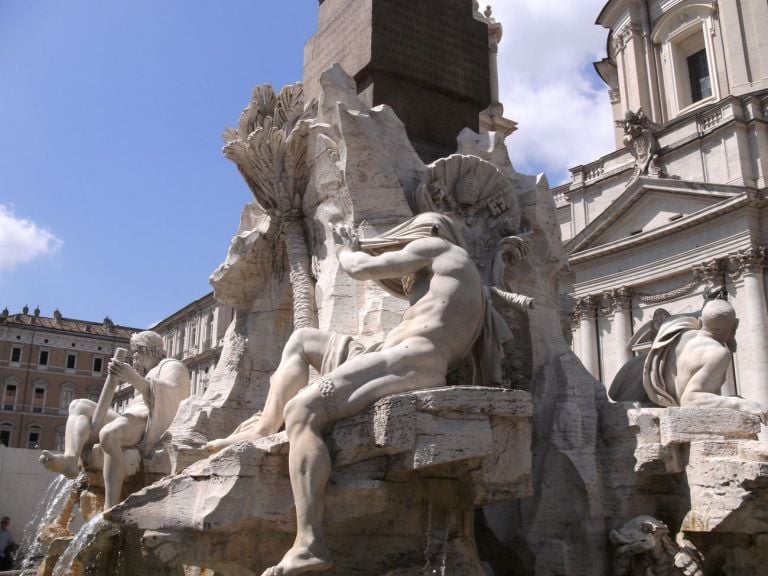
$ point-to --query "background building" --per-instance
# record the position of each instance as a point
(679, 208)
(194, 335)
(45, 363)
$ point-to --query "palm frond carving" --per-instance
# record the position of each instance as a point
(269, 148)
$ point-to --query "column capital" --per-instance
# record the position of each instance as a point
(616, 299)
(710, 271)
(747, 261)
(585, 307)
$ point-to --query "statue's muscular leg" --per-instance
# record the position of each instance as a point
(411, 365)
(304, 348)
(122, 432)
(77, 432)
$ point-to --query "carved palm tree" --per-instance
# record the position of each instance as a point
(269, 148)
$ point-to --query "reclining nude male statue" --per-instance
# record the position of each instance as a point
(450, 316)
(160, 385)
(689, 360)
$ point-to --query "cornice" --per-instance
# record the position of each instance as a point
(696, 258)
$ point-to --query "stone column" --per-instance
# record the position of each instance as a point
(752, 334)
(494, 37)
(586, 309)
(620, 302)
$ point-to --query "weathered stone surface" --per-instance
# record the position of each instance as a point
(663, 434)
(701, 469)
(684, 425)
(728, 494)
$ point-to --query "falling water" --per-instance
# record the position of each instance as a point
(436, 550)
(56, 496)
(83, 538)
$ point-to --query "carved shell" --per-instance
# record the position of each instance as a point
(467, 186)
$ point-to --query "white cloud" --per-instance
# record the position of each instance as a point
(548, 86)
(21, 240)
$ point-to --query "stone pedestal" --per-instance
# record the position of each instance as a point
(702, 471)
(407, 476)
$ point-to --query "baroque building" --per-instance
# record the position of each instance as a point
(45, 363)
(678, 210)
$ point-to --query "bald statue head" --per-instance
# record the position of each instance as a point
(719, 318)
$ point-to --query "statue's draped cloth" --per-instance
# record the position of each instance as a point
(487, 348)
(661, 392)
(168, 386)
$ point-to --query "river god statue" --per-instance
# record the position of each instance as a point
(161, 384)
(689, 360)
(450, 316)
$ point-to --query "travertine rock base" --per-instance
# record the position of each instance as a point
(701, 471)
(408, 475)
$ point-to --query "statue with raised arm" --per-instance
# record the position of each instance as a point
(160, 385)
(689, 360)
(450, 316)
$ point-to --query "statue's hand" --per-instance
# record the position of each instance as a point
(123, 371)
(345, 238)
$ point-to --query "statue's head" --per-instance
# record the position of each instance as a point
(640, 535)
(719, 318)
(148, 349)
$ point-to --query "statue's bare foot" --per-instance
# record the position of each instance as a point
(234, 438)
(246, 431)
(299, 560)
(66, 465)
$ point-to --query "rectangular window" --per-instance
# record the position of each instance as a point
(34, 440)
(71, 360)
(43, 358)
(97, 365)
(15, 355)
(5, 437)
(10, 397)
(698, 73)
(38, 401)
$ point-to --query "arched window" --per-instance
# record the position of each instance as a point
(59, 447)
(6, 432)
(34, 436)
(66, 397)
(10, 393)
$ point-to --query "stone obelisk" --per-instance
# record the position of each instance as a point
(427, 59)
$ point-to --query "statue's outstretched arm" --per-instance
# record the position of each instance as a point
(362, 266)
(511, 299)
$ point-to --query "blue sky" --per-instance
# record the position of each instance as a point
(114, 197)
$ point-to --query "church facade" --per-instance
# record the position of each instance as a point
(679, 209)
